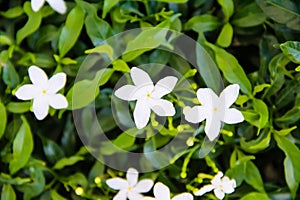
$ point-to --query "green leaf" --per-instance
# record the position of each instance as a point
(231, 69)
(105, 48)
(124, 141)
(67, 162)
(291, 162)
(18, 107)
(284, 132)
(172, 1)
(202, 23)
(8, 192)
(3, 120)
(156, 158)
(259, 144)
(253, 177)
(22, 147)
(291, 49)
(290, 117)
(248, 16)
(108, 4)
(71, 31)
(120, 65)
(225, 37)
(259, 88)
(52, 150)
(255, 195)
(227, 8)
(87, 88)
(208, 69)
(56, 196)
(10, 75)
(282, 11)
(13, 12)
(33, 23)
(262, 109)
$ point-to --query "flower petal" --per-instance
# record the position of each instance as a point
(58, 5)
(134, 196)
(27, 92)
(141, 114)
(149, 198)
(56, 82)
(37, 4)
(117, 183)
(207, 97)
(232, 116)
(216, 181)
(132, 176)
(228, 185)
(126, 92)
(161, 191)
(143, 186)
(219, 193)
(229, 95)
(140, 77)
(121, 195)
(212, 127)
(164, 86)
(195, 114)
(204, 189)
(162, 107)
(40, 107)
(183, 196)
(37, 76)
(58, 101)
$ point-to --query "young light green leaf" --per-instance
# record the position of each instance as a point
(227, 8)
(3, 120)
(56, 196)
(255, 195)
(108, 4)
(33, 23)
(291, 49)
(253, 177)
(203, 23)
(13, 12)
(257, 145)
(8, 192)
(262, 109)
(284, 132)
(18, 107)
(120, 65)
(225, 36)
(172, 1)
(105, 48)
(71, 31)
(64, 162)
(22, 147)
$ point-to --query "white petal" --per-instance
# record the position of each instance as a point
(56, 82)
(195, 114)
(121, 195)
(140, 77)
(126, 92)
(58, 5)
(161, 191)
(27, 92)
(40, 107)
(204, 189)
(228, 185)
(233, 116)
(229, 95)
(216, 181)
(143, 92)
(143, 186)
(207, 97)
(183, 196)
(219, 193)
(132, 176)
(37, 76)
(141, 114)
(37, 4)
(117, 183)
(162, 107)
(134, 196)
(149, 198)
(58, 101)
(212, 127)
(164, 86)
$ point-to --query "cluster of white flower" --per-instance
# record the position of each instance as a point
(57, 5)
(214, 109)
(131, 188)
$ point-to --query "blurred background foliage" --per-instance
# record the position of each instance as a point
(253, 42)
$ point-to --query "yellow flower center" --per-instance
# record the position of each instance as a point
(148, 95)
(215, 109)
(44, 91)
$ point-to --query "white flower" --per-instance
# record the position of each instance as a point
(57, 5)
(130, 188)
(215, 109)
(221, 186)
(162, 192)
(148, 96)
(43, 92)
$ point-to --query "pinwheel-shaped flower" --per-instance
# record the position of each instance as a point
(130, 188)
(215, 109)
(57, 5)
(148, 96)
(162, 192)
(221, 186)
(43, 92)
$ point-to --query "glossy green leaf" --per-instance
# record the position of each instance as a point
(120, 65)
(257, 145)
(231, 69)
(203, 23)
(56, 196)
(71, 31)
(22, 147)
(3, 120)
(291, 49)
(33, 23)
(286, 131)
(18, 107)
(108, 4)
(8, 192)
(225, 36)
(64, 162)
(290, 117)
(262, 109)
(173, 1)
(157, 158)
(52, 150)
(10, 75)
(255, 195)
(13, 12)
(105, 48)
(227, 8)
(253, 177)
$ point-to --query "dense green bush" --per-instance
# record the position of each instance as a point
(64, 155)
